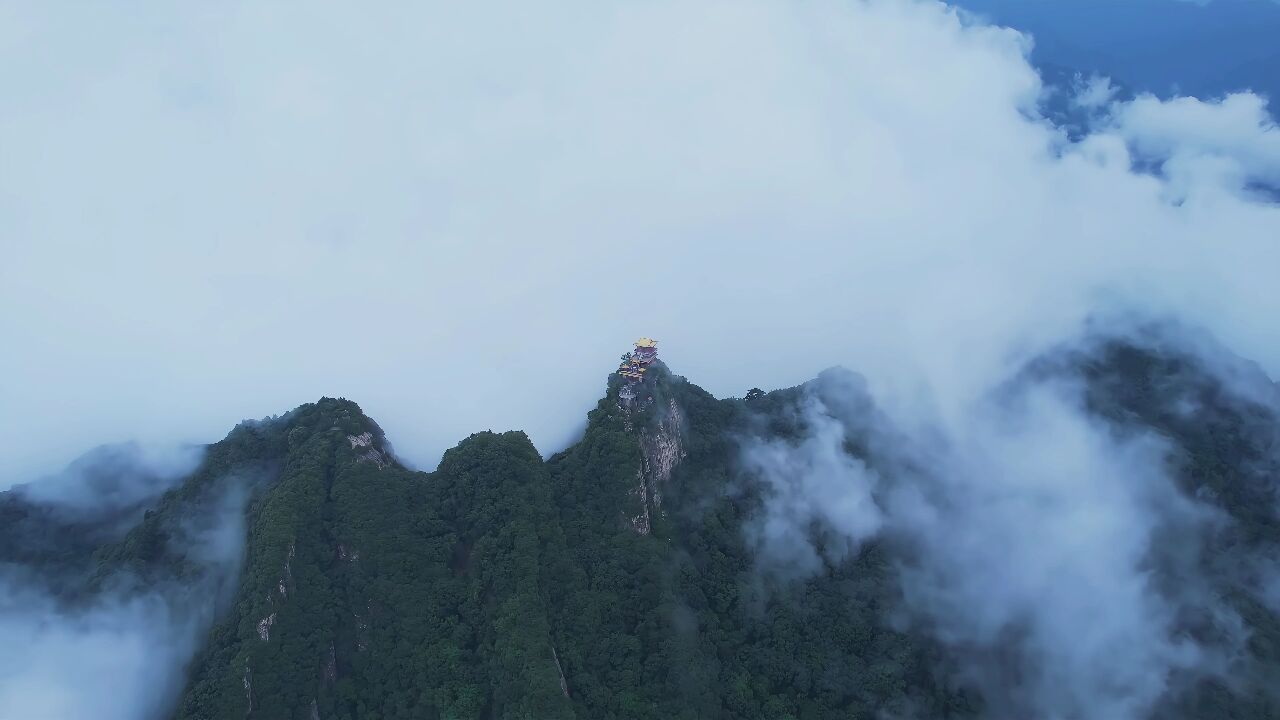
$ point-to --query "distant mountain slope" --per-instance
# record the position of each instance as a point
(374, 591)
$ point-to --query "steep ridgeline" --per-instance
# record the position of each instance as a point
(352, 587)
(374, 591)
(621, 578)
(658, 608)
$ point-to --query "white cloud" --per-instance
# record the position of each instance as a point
(458, 216)
(1044, 528)
(1054, 556)
(813, 480)
(1094, 92)
(1232, 141)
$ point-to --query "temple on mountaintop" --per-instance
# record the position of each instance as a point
(634, 365)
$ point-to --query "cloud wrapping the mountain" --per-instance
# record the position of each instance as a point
(115, 478)
(1056, 557)
(814, 480)
(1039, 537)
(459, 216)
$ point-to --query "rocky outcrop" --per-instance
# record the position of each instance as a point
(331, 665)
(564, 685)
(282, 587)
(248, 688)
(286, 576)
(661, 450)
(362, 628)
(370, 453)
(264, 627)
(641, 522)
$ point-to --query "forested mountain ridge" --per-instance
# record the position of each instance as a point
(625, 577)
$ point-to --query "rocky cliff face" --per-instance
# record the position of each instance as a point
(661, 450)
(368, 451)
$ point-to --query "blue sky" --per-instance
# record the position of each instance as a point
(1168, 47)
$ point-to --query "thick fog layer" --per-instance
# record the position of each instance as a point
(459, 217)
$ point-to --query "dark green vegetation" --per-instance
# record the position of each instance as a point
(614, 580)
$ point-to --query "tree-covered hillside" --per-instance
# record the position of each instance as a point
(621, 578)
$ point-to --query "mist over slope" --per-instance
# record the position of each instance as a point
(1095, 539)
(108, 587)
(191, 199)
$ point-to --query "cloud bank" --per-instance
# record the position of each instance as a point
(458, 216)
